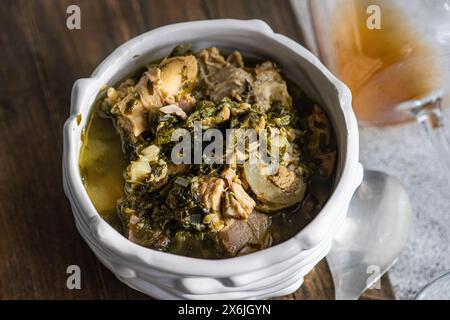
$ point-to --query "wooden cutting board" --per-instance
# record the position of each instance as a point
(40, 60)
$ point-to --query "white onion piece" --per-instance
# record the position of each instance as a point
(139, 170)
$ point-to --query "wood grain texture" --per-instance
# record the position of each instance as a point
(39, 61)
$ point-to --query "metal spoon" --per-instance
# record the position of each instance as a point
(372, 237)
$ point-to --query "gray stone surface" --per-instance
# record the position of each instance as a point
(404, 152)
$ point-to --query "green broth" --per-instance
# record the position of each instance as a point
(102, 163)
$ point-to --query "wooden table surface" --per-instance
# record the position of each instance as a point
(39, 61)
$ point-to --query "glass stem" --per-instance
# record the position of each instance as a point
(431, 117)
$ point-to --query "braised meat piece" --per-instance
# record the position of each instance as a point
(244, 236)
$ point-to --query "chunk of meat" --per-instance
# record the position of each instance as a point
(178, 74)
(285, 179)
(131, 115)
(211, 60)
(131, 110)
(269, 87)
(158, 87)
(240, 235)
(167, 83)
(235, 209)
(238, 204)
(229, 82)
(210, 191)
(149, 89)
(223, 78)
(223, 197)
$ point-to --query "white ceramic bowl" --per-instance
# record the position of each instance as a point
(275, 271)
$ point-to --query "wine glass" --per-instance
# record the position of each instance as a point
(398, 70)
(393, 54)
